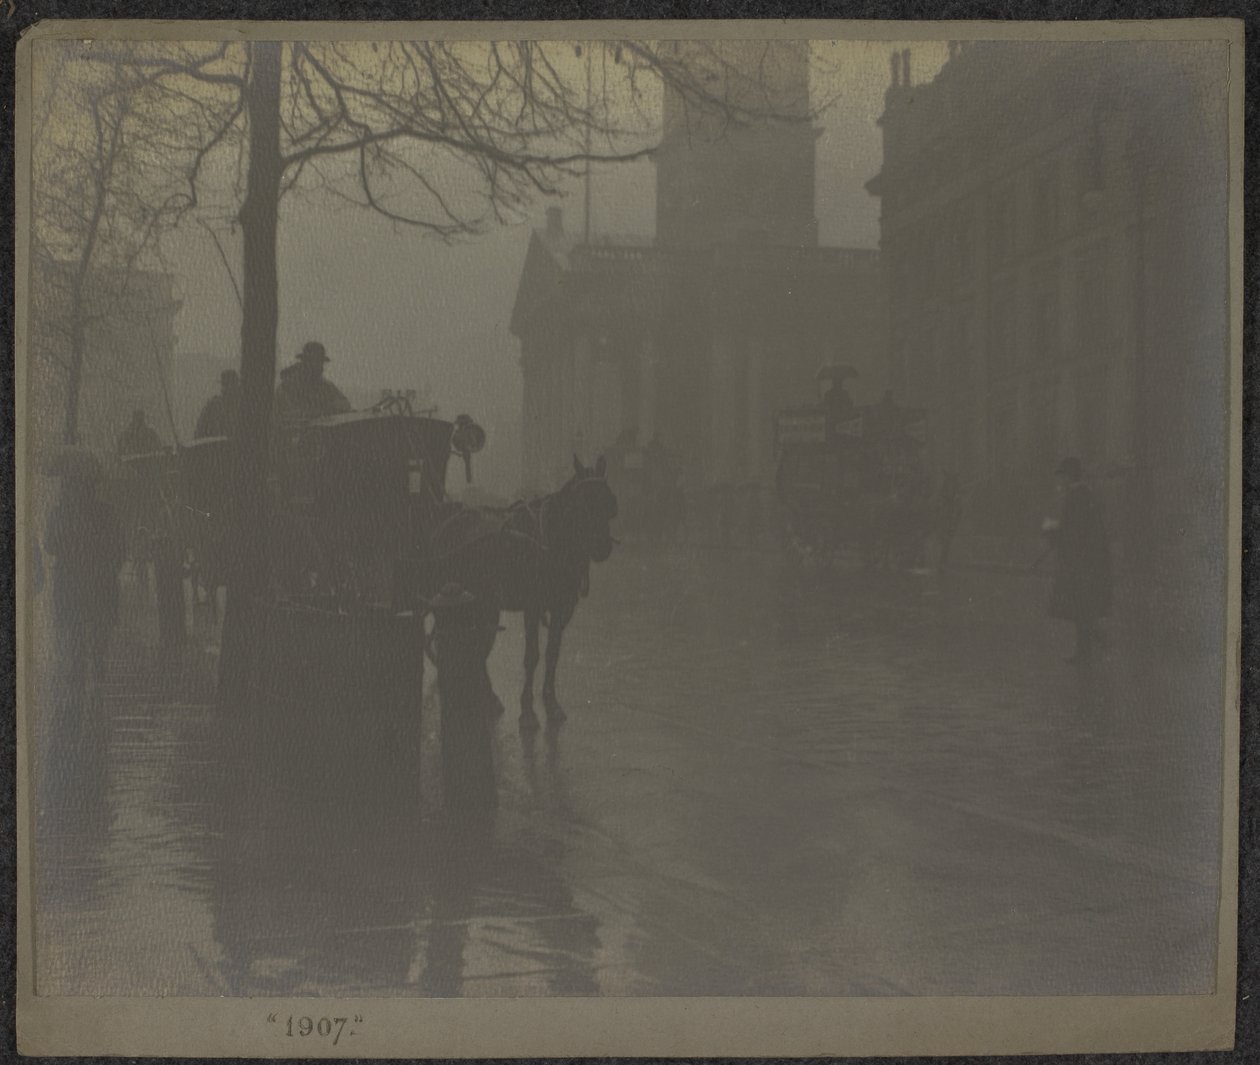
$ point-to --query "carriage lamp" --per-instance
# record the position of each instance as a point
(467, 439)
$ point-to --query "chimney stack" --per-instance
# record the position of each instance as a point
(555, 221)
(905, 67)
(895, 62)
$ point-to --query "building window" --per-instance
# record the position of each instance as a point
(960, 444)
(960, 341)
(964, 256)
(927, 354)
(1093, 324)
(1091, 418)
(1003, 354)
(931, 261)
(1002, 416)
(901, 366)
(1043, 435)
(1002, 227)
(1047, 315)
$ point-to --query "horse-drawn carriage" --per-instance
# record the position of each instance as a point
(353, 503)
(362, 494)
(352, 497)
(854, 479)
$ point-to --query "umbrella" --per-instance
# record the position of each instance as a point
(836, 372)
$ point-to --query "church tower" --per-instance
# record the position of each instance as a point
(736, 160)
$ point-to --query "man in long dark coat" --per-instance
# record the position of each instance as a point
(1081, 592)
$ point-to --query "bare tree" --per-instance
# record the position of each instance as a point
(98, 209)
(443, 137)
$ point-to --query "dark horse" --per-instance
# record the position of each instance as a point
(533, 558)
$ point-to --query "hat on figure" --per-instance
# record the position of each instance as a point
(313, 351)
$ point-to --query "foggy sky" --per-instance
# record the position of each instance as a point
(398, 310)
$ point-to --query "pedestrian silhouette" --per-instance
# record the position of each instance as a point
(1081, 592)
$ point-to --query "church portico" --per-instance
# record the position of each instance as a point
(698, 337)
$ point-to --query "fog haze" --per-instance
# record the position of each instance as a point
(399, 310)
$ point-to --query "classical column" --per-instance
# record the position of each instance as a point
(757, 420)
(647, 389)
(529, 416)
(721, 449)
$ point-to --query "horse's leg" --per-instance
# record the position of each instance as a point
(559, 619)
(532, 618)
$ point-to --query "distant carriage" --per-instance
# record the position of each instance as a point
(855, 482)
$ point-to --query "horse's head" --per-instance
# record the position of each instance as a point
(586, 507)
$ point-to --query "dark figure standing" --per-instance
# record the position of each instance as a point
(139, 438)
(218, 417)
(85, 539)
(1081, 592)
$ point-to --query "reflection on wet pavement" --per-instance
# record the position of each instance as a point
(771, 783)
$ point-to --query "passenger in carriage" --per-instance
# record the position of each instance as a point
(304, 393)
(218, 417)
(837, 402)
(139, 438)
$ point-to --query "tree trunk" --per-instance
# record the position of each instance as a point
(248, 556)
(107, 155)
(74, 381)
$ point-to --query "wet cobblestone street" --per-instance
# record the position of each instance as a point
(772, 781)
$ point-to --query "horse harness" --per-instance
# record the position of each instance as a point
(536, 511)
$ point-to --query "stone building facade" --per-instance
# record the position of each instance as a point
(1052, 229)
(699, 336)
